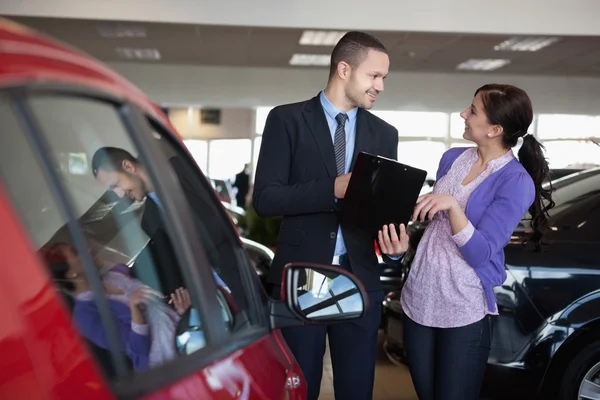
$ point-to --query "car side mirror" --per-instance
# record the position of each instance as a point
(318, 294)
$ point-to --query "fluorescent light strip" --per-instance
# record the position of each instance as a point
(518, 43)
(138, 54)
(475, 64)
(320, 60)
(321, 38)
(121, 31)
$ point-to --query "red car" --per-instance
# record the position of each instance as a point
(76, 259)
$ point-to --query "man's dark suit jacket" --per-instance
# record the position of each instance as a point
(295, 179)
(242, 183)
(159, 252)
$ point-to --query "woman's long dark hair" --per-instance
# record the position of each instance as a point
(510, 107)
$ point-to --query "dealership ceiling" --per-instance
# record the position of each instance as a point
(208, 45)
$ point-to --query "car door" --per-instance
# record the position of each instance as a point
(48, 175)
(538, 285)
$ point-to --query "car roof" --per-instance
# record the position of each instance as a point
(28, 56)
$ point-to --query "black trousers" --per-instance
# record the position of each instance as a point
(353, 348)
(447, 363)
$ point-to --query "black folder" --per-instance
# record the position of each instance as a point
(381, 191)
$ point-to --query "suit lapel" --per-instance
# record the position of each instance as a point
(151, 217)
(315, 119)
(363, 135)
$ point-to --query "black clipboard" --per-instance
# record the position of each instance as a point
(381, 191)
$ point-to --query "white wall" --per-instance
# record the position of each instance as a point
(236, 87)
(553, 17)
(235, 123)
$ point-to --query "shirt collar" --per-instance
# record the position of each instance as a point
(333, 111)
(154, 198)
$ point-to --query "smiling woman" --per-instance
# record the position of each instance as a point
(479, 198)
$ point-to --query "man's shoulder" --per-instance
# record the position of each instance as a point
(291, 107)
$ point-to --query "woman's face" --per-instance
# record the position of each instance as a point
(477, 127)
(74, 261)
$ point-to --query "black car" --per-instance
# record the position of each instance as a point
(546, 339)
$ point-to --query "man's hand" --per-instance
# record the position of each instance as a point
(181, 300)
(389, 242)
(341, 184)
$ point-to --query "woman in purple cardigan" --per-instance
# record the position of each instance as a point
(145, 325)
(480, 195)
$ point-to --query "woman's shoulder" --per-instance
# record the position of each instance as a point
(514, 178)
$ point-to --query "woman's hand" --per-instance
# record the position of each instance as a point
(181, 300)
(143, 296)
(390, 243)
(429, 204)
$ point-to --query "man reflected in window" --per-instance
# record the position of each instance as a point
(120, 172)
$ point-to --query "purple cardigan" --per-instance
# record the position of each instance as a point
(495, 208)
(135, 344)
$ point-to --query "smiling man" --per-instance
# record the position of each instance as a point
(306, 158)
(119, 171)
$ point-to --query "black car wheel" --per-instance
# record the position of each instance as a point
(582, 378)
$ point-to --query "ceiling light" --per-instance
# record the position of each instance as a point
(121, 31)
(518, 43)
(311, 59)
(476, 64)
(138, 54)
(321, 38)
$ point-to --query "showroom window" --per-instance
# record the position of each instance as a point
(261, 118)
(422, 154)
(227, 157)
(457, 126)
(565, 138)
(199, 150)
(416, 123)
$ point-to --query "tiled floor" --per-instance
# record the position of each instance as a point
(392, 382)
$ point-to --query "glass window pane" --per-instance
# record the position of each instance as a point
(572, 154)
(416, 123)
(123, 222)
(563, 126)
(462, 144)
(257, 143)
(261, 119)
(422, 154)
(199, 150)
(457, 126)
(228, 157)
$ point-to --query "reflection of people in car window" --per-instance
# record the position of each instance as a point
(146, 326)
(119, 171)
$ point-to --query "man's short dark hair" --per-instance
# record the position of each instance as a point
(110, 159)
(353, 48)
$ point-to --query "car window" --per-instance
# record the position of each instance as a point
(218, 234)
(127, 243)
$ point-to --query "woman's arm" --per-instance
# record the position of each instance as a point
(493, 232)
(134, 338)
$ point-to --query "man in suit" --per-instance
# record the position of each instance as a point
(306, 158)
(242, 183)
(119, 171)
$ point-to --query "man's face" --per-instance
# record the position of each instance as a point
(125, 183)
(366, 80)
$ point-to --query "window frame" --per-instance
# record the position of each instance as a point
(219, 341)
(256, 297)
